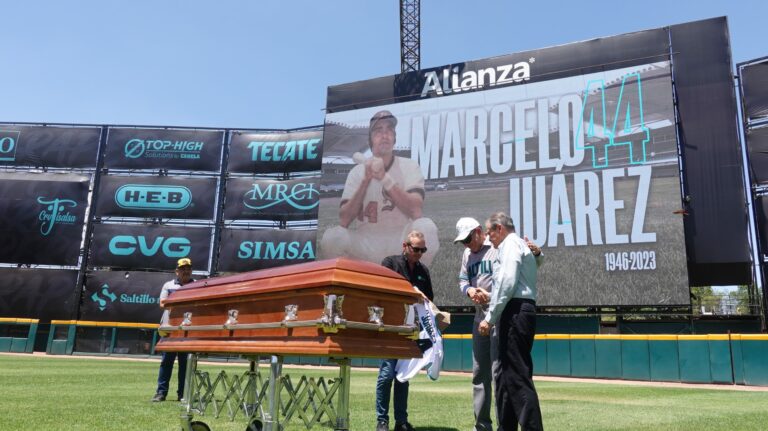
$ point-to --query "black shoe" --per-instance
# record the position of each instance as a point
(405, 426)
(158, 397)
(382, 426)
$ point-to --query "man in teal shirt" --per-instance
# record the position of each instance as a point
(513, 309)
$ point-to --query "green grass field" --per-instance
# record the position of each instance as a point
(46, 393)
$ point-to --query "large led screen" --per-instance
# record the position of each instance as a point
(586, 165)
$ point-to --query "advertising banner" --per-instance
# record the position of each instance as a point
(248, 250)
(266, 153)
(42, 217)
(149, 246)
(761, 207)
(252, 199)
(586, 165)
(165, 197)
(757, 146)
(43, 294)
(754, 82)
(118, 296)
(49, 146)
(176, 150)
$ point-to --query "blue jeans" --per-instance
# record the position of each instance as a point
(383, 386)
(166, 371)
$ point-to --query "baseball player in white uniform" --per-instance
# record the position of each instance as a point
(382, 201)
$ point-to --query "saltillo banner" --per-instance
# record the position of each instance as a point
(248, 250)
(165, 197)
(43, 294)
(176, 150)
(119, 296)
(141, 246)
(252, 199)
(266, 153)
(42, 217)
(49, 146)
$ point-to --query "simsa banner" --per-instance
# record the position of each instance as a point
(43, 294)
(49, 146)
(248, 250)
(586, 165)
(42, 217)
(166, 197)
(258, 199)
(264, 153)
(119, 296)
(149, 246)
(175, 150)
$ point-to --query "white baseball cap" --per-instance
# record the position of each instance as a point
(464, 227)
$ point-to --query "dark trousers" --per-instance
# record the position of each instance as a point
(516, 398)
(166, 371)
(387, 375)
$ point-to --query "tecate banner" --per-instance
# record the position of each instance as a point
(119, 296)
(42, 217)
(49, 146)
(177, 150)
(165, 197)
(252, 199)
(248, 250)
(262, 153)
(43, 294)
(149, 246)
(585, 165)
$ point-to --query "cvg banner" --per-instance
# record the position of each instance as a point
(262, 153)
(49, 146)
(179, 150)
(271, 199)
(167, 197)
(112, 296)
(42, 217)
(249, 250)
(43, 294)
(585, 165)
(149, 246)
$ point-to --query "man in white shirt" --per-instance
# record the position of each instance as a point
(513, 309)
(183, 276)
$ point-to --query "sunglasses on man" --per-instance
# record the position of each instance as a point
(417, 249)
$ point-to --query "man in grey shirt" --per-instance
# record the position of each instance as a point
(475, 281)
(513, 310)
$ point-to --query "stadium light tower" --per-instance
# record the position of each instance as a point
(410, 35)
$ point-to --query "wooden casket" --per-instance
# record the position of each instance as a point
(337, 307)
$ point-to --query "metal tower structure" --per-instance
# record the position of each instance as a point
(410, 35)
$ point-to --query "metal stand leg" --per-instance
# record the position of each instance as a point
(272, 422)
(186, 403)
(342, 409)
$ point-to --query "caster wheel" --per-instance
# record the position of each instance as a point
(255, 425)
(199, 426)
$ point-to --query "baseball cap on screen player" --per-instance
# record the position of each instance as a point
(464, 227)
(184, 262)
(383, 115)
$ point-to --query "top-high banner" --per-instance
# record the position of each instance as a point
(48, 146)
(175, 150)
(586, 165)
(267, 153)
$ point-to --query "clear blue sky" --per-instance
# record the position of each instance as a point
(267, 64)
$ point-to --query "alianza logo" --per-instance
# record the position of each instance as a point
(450, 81)
(270, 250)
(153, 197)
(125, 298)
(126, 245)
(301, 196)
(9, 141)
(277, 151)
(159, 149)
(55, 213)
